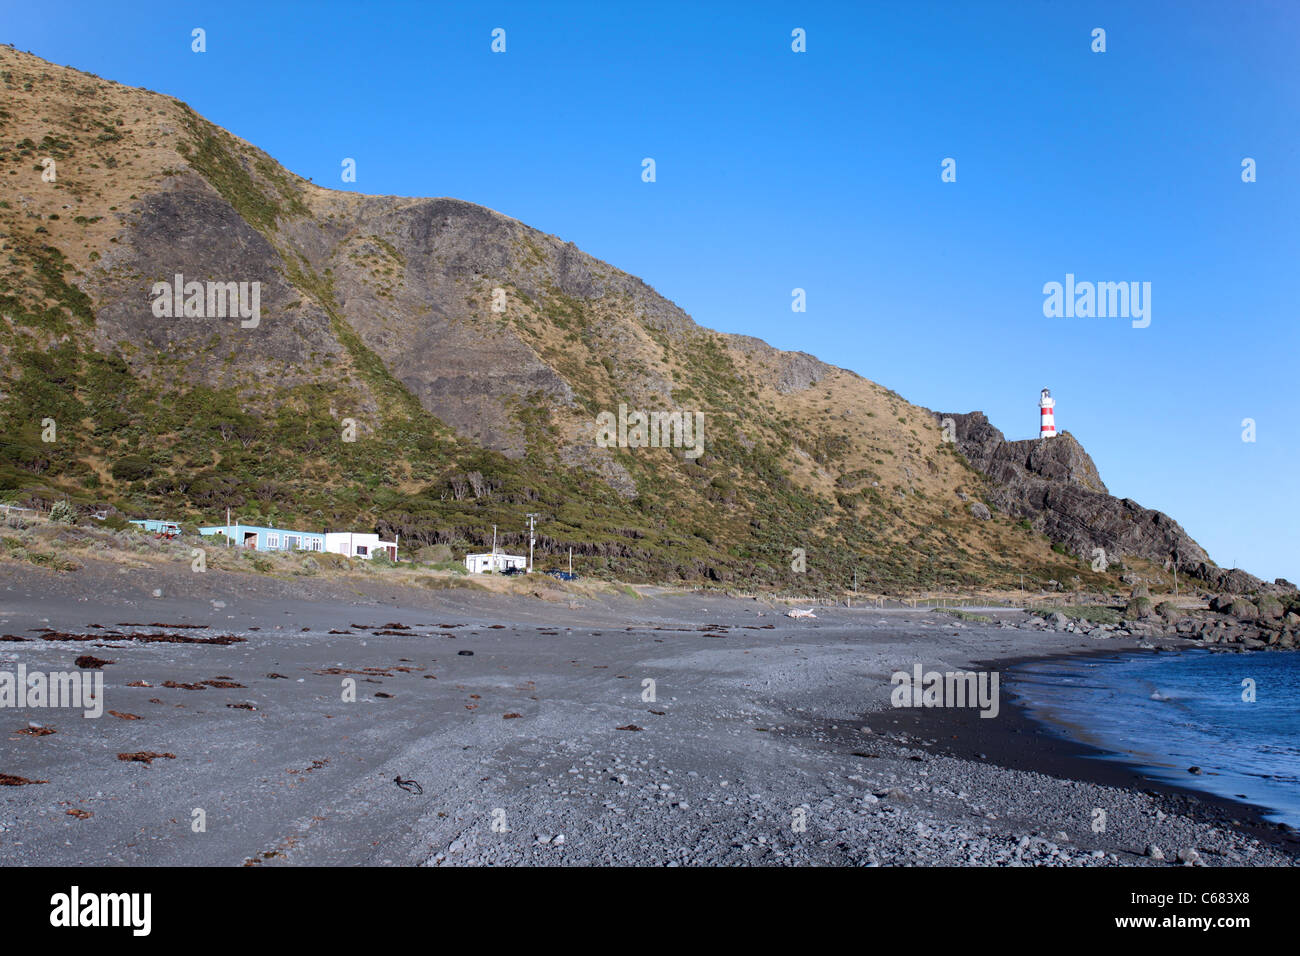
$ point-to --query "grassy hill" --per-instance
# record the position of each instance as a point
(377, 318)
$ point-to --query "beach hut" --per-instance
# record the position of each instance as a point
(495, 562)
(259, 538)
(356, 544)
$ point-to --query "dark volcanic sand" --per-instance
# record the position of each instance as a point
(753, 751)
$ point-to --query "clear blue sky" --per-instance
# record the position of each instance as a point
(821, 170)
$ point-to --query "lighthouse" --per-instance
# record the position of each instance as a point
(1047, 425)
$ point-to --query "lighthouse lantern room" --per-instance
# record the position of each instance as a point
(1047, 425)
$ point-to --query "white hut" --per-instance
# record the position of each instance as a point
(355, 544)
(496, 562)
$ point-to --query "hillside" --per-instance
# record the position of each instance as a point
(380, 310)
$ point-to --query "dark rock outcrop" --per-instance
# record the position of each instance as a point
(1055, 484)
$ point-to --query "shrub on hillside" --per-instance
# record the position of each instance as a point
(435, 554)
(131, 468)
(1138, 608)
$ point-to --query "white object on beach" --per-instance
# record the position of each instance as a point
(799, 612)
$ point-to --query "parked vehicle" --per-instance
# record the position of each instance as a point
(160, 529)
(562, 575)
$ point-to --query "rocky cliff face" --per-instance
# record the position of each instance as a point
(431, 368)
(1055, 484)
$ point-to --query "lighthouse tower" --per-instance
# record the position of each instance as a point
(1047, 426)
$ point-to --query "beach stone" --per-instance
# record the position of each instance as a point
(1189, 857)
(1154, 852)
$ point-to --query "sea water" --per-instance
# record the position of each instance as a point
(1235, 716)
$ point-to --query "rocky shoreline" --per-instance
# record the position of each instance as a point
(1270, 620)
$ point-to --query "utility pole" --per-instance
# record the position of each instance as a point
(532, 517)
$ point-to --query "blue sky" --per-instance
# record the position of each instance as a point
(820, 170)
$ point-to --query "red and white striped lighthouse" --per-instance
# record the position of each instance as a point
(1047, 425)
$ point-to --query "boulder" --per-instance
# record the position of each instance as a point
(1138, 608)
(980, 510)
(1243, 610)
(1270, 608)
(1169, 611)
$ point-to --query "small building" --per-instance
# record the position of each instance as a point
(168, 529)
(495, 562)
(354, 544)
(258, 538)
